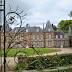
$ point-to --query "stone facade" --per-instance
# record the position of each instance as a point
(39, 38)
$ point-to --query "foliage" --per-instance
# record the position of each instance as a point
(70, 14)
(55, 28)
(43, 62)
(30, 51)
(64, 25)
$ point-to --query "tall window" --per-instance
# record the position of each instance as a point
(65, 36)
(42, 44)
(56, 36)
(37, 44)
(20, 45)
(20, 37)
(49, 36)
(26, 30)
(33, 36)
(61, 36)
(57, 43)
(16, 45)
(26, 36)
(16, 37)
(50, 43)
(37, 30)
(41, 36)
(37, 36)
(12, 44)
(66, 43)
(33, 44)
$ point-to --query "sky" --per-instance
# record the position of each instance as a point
(40, 11)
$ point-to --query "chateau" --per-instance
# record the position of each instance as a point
(39, 38)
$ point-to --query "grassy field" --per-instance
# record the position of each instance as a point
(12, 52)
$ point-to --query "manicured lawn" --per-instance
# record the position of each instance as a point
(12, 52)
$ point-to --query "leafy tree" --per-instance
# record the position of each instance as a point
(70, 14)
(64, 25)
(55, 28)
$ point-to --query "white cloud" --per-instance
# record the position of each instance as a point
(65, 3)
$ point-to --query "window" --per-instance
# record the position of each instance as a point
(56, 36)
(49, 36)
(12, 44)
(16, 37)
(27, 37)
(66, 43)
(20, 37)
(37, 44)
(57, 43)
(12, 37)
(37, 30)
(60, 36)
(26, 30)
(50, 43)
(42, 44)
(33, 36)
(33, 44)
(20, 45)
(49, 29)
(37, 36)
(41, 36)
(65, 36)
(16, 45)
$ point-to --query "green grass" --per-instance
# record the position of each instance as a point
(30, 51)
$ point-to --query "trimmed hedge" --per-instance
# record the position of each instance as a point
(43, 62)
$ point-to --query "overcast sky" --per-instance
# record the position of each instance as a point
(40, 11)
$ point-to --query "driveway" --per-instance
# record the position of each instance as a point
(12, 64)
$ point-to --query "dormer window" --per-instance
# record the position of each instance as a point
(26, 30)
(49, 29)
(37, 30)
(56, 36)
(49, 36)
(65, 36)
(61, 36)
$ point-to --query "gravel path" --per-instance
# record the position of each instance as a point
(12, 63)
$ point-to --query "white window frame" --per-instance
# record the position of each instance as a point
(65, 36)
(26, 30)
(41, 36)
(20, 45)
(49, 36)
(20, 37)
(57, 43)
(56, 36)
(26, 36)
(33, 44)
(37, 30)
(33, 36)
(66, 43)
(42, 44)
(37, 36)
(61, 36)
(38, 44)
(50, 43)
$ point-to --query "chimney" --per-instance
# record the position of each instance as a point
(52, 25)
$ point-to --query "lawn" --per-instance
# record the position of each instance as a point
(30, 51)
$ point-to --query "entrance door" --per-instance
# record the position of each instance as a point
(61, 44)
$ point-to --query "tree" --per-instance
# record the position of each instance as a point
(55, 28)
(70, 14)
(64, 25)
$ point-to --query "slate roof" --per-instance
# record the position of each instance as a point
(59, 33)
(48, 25)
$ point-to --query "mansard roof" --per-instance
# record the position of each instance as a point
(48, 26)
(23, 29)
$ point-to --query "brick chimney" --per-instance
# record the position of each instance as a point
(52, 25)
